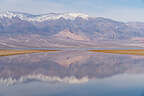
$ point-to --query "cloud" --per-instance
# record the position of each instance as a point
(30, 6)
(117, 9)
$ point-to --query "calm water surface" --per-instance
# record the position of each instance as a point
(72, 73)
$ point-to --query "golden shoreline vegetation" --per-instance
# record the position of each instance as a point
(8, 52)
(128, 51)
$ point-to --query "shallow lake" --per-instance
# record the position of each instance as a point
(72, 73)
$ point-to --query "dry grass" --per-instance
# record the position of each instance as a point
(129, 52)
(17, 52)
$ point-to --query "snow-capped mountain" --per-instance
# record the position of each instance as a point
(69, 29)
(43, 17)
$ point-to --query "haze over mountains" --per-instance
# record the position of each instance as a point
(63, 30)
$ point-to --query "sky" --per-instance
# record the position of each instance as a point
(122, 10)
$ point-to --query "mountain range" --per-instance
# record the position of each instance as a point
(19, 29)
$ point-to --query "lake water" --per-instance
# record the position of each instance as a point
(72, 73)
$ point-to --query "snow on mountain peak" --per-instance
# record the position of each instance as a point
(74, 15)
(9, 14)
(54, 16)
(44, 17)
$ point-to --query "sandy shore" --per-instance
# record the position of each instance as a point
(16, 52)
(129, 52)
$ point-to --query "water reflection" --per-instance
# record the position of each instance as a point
(97, 71)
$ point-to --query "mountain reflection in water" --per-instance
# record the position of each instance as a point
(71, 67)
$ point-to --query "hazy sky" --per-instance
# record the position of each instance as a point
(125, 10)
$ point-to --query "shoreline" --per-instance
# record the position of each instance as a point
(127, 52)
(8, 52)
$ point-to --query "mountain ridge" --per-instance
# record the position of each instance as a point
(81, 29)
(42, 17)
